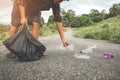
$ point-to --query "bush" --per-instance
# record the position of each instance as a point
(52, 26)
(105, 26)
(4, 29)
(48, 30)
(105, 30)
(88, 35)
(115, 37)
(105, 34)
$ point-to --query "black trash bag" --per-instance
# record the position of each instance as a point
(25, 46)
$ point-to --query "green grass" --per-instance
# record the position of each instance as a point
(48, 30)
(108, 29)
(4, 29)
(45, 30)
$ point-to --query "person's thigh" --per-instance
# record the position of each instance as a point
(15, 16)
(34, 19)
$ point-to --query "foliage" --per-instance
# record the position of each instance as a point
(67, 17)
(85, 20)
(42, 20)
(115, 37)
(70, 19)
(50, 20)
(97, 16)
(105, 30)
(47, 30)
(114, 10)
(3, 28)
(3, 32)
(76, 22)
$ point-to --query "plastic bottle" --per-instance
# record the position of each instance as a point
(108, 55)
(77, 55)
(69, 47)
(89, 49)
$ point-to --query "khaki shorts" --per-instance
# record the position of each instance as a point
(15, 17)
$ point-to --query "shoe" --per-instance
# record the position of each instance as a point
(10, 55)
(44, 54)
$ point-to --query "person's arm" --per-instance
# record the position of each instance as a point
(60, 30)
(22, 12)
(57, 19)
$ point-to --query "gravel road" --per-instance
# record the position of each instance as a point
(61, 63)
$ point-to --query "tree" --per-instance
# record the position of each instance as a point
(42, 20)
(97, 16)
(94, 15)
(76, 22)
(67, 17)
(50, 20)
(103, 14)
(94, 11)
(85, 20)
(114, 10)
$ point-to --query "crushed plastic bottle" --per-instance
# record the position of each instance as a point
(88, 50)
(108, 55)
(77, 55)
(69, 47)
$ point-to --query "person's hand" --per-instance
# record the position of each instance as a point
(23, 21)
(57, 1)
(65, 42)
(13, 1)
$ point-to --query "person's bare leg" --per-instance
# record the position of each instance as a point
(35, 30)
(13, 30)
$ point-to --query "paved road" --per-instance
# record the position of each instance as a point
(60, 64)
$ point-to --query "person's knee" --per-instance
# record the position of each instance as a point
(36, 26)
(13, 30)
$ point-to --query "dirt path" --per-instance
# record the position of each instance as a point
(60, 64)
